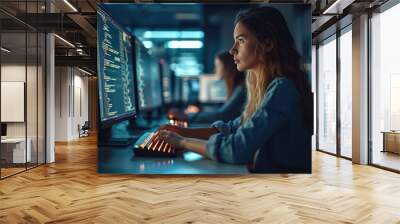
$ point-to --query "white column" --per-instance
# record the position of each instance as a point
(314, 90)
(360, 90)
(50, 92)
(63, 99)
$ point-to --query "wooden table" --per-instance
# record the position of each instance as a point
(391, 141)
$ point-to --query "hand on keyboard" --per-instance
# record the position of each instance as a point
(155, 144)
(179, 123)
(192, 109)
(177, 129)
(172, 138)
(167, 138)
(166, 141)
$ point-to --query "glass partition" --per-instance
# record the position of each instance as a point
(385, 88)
(327, 97)
(346, 93)
(14, 145)
(31, 98)
(22, 88)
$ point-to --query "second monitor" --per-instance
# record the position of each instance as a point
(148, 79)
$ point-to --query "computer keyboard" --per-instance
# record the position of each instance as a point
(149, 145)
(179, 123)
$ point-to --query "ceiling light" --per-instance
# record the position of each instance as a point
(65, 41)
(84, 71)
(148, 44)
(337, 7)
(174, 34)
(184, 44)
(70, 5)
(5, 50)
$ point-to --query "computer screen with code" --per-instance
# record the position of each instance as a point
(115, 70)
(148, 79)
(166, 82)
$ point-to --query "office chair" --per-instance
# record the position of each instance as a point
(84, 130)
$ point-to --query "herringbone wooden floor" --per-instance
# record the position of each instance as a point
(70, 191)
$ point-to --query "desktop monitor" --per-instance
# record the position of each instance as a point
(177, 90)
(3, 129)
(115, 71)
(148, 79)
(166, 80)
(190, 90)
(211, 89)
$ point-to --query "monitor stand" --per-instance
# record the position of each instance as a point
(145, 122)
(106, 138)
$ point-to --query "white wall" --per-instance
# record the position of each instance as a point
(33, 126)
(16, 73)
(12, 73)
(71, 102)
(81, 103)
(61, 103)
(314, 90)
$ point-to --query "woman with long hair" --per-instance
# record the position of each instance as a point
(273, 134)
(226, 70)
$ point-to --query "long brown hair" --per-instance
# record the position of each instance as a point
(233, 77)
(268, 25)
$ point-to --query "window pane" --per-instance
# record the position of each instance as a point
(346, 94)
(385, 84)
(31, 97)
(15, 150)
(41, 99)
(314, 90)
(327, 96)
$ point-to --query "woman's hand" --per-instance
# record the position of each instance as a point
(200, 133)
(173, 128)
(192, 109)
(181, 138)
(172, 138)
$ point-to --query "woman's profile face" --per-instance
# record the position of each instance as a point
(243, 50)
(219, 68)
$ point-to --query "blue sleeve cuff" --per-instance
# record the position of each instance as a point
(212, 146)
(222, 127)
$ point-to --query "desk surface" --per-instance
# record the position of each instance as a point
(122, 160)
(390, 132)
(14, 140)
